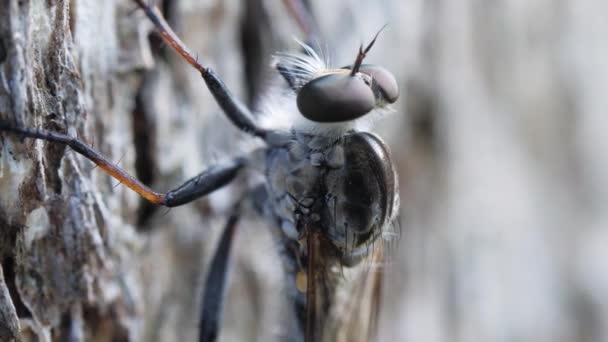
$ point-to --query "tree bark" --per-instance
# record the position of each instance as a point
(84, 258)
(66, 231)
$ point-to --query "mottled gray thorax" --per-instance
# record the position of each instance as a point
(343, 186)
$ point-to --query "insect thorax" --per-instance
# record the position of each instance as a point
(345, 188)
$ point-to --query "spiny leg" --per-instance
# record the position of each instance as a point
(300, 11)
(206, 182)
(215, 283)
(234, 109)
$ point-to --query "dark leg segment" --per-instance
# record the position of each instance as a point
(215, 283)
(197, 187)
(208, 181)
(236, 111)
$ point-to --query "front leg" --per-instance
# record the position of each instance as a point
(206, 182)
(233, 108)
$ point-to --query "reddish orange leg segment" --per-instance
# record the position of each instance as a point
(168, 35)
(94, 156)
(197, 187)
(234, 109)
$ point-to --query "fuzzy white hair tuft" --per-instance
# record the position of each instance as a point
(278, 108)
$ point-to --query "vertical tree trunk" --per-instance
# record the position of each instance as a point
(64, 242)
(83, 258)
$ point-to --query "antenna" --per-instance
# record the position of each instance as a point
(362, 53)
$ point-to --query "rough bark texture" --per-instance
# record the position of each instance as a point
(499, 137)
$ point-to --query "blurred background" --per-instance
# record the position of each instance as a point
(498, 137)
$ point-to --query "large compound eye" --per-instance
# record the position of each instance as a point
(335, 98)
(383, 80)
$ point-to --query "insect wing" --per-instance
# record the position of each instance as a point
(354, 315)
(322, 282)
(343, 303)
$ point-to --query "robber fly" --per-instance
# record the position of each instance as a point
(329, 185)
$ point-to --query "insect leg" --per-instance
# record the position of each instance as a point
(234, 109)
(215, 283)
(198, 186)
(91, 154)
(300, 11)
(206, 182)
